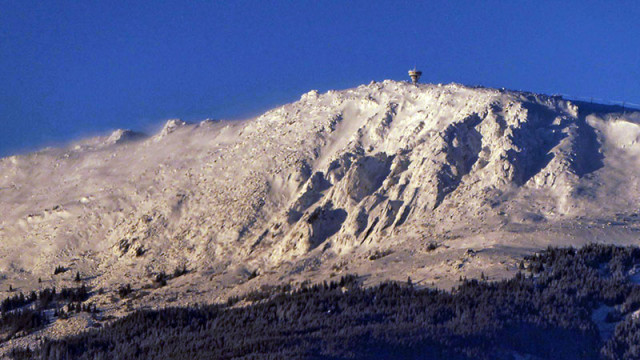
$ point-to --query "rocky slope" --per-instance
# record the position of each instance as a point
(387, 180)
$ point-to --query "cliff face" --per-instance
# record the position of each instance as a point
(318, 186)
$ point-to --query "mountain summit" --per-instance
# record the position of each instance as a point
(387, 180)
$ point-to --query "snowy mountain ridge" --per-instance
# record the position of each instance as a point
(386, 180)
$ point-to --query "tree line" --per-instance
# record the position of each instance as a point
(544, 311)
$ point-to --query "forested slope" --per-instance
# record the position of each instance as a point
(546, 311)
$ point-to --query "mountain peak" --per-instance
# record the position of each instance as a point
(315, 187)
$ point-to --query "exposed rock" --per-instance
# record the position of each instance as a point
(121, 136)
(169, 127)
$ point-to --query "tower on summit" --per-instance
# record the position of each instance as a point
(415, 75)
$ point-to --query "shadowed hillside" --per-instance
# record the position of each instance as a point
(568, 304)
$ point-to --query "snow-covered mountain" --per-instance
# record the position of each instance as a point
(387, 180)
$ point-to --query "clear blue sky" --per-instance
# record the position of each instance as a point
(73, 68)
